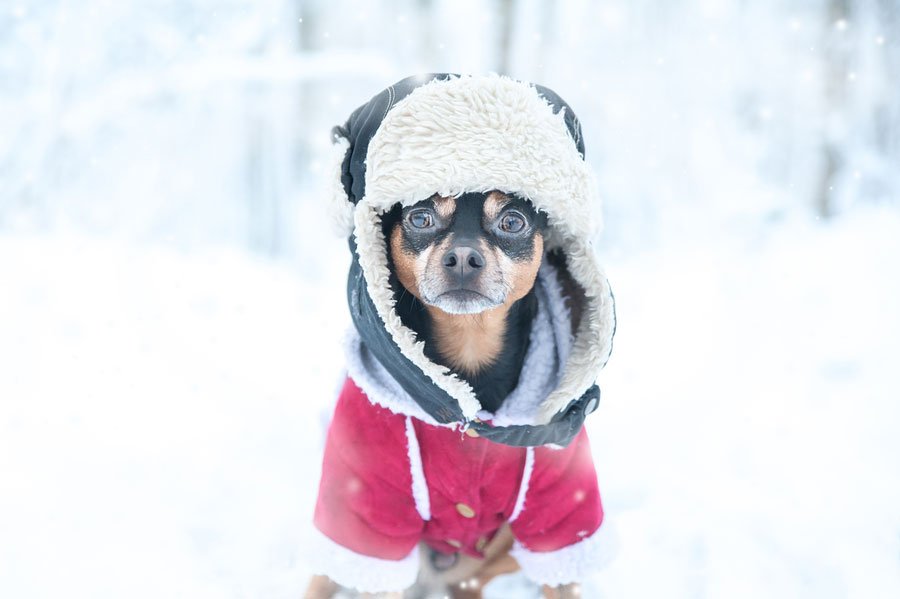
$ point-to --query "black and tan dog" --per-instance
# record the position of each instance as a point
(456, 451)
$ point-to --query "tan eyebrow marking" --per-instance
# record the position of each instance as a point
(494, 203)
(445, 207)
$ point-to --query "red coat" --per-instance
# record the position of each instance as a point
(390, 481)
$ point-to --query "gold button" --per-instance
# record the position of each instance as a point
(471, 432)
(481, 544)
(465, 511)
(454, 543)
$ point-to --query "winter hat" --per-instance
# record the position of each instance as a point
(451, 134)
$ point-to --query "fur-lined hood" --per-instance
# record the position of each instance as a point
(450, 134)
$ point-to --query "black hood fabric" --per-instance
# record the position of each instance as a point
(358, 131)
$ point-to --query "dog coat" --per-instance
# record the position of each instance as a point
(411, 456)
(390, 481)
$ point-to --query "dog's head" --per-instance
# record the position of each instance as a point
(467, 254)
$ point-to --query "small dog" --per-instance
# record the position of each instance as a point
(481, 318)
(464, 270)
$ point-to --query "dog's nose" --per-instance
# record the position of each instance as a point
(464, 260)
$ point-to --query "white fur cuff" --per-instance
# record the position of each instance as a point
(361, 572)
(569, 564)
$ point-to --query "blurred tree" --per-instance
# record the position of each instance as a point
(838, 50)
(887, 110)
(506, 14)
(547, 17)
(308, 17)
(427, 25)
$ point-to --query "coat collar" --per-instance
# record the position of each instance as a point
(518, 417)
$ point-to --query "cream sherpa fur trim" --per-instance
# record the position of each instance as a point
(364, 573)
(523, 486)
(472, 134)
(574, 563)
(417, 472)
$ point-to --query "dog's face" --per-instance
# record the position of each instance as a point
(468, 254)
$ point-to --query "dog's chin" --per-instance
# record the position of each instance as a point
(462, 301)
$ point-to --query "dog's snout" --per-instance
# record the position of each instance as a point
(464, 260)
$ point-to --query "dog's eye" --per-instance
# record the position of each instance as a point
(512, 222)
(421, 219)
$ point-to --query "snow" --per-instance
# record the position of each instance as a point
(750, 417)
(158, 420)
(171, 314)
(161, 417)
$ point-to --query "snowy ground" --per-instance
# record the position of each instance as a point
(160, 417)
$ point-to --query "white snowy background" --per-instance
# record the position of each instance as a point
(171, 298)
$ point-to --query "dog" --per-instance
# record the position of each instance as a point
(456, 451)
(463, 270)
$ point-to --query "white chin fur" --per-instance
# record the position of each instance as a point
(469, 304)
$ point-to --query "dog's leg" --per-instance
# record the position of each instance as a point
(471, 588)
(563, 591)
(321, 587)
(467, 579)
